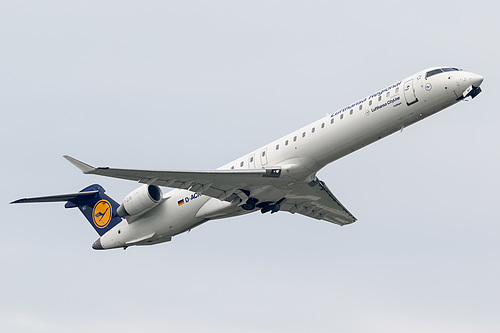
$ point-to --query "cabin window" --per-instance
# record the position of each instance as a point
(360, 107)
(304, 134)
(286, 143)
(342, 116)
(294, 138)
(331, 121)
(263, 153)
(380, 98)
(241, 164)
(387, 95)
(397, 90)
(351, 111)
(370, 103)
(323, 125)
(251, 159)
(313, 130)
(277, 147)
(232, 167)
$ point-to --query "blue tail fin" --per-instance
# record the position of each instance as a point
(98, 208)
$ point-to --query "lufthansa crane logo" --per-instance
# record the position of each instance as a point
(101, 214)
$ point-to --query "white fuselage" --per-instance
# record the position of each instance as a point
(302, 153)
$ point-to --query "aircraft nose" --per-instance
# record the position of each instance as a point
(476, 79)
(97, 245)
(472, 82)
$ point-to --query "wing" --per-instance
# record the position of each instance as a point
(225, 185)
(315, 200)
(312, 199)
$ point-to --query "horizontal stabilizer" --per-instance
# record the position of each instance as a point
(93, 202)
(59, 197)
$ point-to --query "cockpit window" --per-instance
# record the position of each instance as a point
(433, 72)
(440, 70)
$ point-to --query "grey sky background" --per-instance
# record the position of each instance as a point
(194, 84)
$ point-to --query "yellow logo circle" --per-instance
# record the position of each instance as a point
(102, 213)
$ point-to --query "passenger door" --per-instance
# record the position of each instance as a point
(409, 92)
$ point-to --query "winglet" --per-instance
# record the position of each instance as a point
(79, 164)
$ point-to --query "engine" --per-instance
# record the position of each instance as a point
(140, 201)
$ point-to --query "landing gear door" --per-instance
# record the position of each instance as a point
(409, 92)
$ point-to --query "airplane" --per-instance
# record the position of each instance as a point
(280, 176)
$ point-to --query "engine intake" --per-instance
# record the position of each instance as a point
(140, 201)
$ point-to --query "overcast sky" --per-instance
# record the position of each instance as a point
(195, 84)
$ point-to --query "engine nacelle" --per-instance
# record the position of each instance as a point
(140, 201)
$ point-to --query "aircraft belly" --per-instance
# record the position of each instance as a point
(214, 208)
(180, 213)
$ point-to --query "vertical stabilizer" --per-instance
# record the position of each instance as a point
(99, 209)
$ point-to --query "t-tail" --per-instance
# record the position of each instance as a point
(99, 208)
